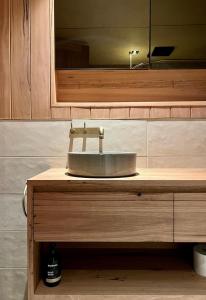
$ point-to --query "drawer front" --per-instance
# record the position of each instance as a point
(190, 217)
(103, 217)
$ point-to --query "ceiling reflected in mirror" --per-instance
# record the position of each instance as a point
(181, 26)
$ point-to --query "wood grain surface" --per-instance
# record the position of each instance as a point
(126, 86)
(20, 59)
(90, 212)
(147, 180)
(41, 59)
(104, 221)
(5, 74)
(189, 218)
(31, 89)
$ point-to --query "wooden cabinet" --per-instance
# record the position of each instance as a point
(190, 217)
(103, 217)
(143, 215)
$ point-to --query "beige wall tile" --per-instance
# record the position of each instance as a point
(13, 284)
(13, 251)
(174, 138)
(14, 171)
(11, 212)
(177, 162)
(34, 138)
(141, 162)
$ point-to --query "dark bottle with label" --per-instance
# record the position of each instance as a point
(52, 267)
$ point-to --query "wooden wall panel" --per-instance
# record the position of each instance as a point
(139, 113)
(180, 112)
(80, 113)
(20, 59)
(41, 59)
(53, 73)
(198, 112)
(100, 113)
(119, 113)
(5, 77)
(61, 113)
(160, 113)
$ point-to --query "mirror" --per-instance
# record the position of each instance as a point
(104, 34)
(130, 34)
(178, 34)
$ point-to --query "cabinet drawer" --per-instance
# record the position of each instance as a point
(103, 217)
(189, 217)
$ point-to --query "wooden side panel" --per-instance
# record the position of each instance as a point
(20, 59)
(5, 76)
(40, 59)
(107, 220)
(189, 217)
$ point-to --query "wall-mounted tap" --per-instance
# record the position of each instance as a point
(86, 132)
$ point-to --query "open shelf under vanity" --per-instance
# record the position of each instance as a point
(137, 271)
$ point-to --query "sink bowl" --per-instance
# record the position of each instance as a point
(106, 164)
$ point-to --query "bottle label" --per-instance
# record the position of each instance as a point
(53, 280)
(53, 273)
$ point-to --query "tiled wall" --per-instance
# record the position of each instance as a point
(27, 148)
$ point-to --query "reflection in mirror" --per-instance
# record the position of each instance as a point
(110, 34)
(178, 34)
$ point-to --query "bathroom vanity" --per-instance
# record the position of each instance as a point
(155, 211)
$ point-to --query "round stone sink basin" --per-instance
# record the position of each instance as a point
(106, 164)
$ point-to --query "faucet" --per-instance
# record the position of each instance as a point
(87, 132)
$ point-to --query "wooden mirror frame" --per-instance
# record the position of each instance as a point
(127, 88)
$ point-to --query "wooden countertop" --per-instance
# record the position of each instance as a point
(158, 179)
